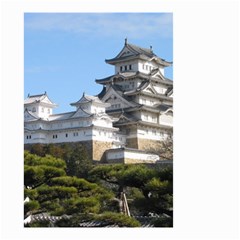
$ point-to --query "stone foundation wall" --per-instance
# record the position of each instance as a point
(149, 145)
(134, 161)
(98, 150)
(132, 143)
(143, 144)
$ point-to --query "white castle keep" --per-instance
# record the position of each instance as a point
(131, 116)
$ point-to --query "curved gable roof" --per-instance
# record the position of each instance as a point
(130, 51)
(40, 98)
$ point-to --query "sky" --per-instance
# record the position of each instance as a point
(65, 52)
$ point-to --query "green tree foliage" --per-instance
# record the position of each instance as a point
(75, 156)
(39, 170)
(149, 189)
(51, 190)
(78, 161)
(31, 206)
(119, 219)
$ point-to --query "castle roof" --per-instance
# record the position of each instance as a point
(31, 115)
(40, 98)
(88, 98)
(131, 75)
(131, 51)
(143, 123)
(159, 96)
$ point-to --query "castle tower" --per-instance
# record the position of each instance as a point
(141, 97)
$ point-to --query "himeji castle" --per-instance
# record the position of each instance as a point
(131, 116)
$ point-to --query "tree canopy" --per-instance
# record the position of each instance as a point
(53, 190)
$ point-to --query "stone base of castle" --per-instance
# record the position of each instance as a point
(95, 149)
(144, 144)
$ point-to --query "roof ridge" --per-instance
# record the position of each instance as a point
(149, 50)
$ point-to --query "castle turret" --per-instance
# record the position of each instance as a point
(39, 105)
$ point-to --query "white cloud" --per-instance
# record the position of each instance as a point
(108, 24)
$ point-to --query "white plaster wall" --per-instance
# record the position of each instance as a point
(152, 134)
(128, 85)
(41, 111)
(35, 138)
(102, 123)
(132, 155)
(97, 109)
(58, 125)
(166, 119)
(72, 136)
(147, 101)
(138, 66)
(141, 156)
(134, 66)
(69, 135)
(115, 154)
(102, 135)
(159, 88)
(149, 117)
(148, 66)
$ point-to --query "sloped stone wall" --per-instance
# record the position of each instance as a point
(143, 144)
(99, 149)
(132, 143)
(149, 145)
(134, 161)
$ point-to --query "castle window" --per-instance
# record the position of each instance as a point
(145, 117)
(130, 67)
(154, 119)
(66, 135)
(125, 68)
(143, 66)
(75, 134)
(121, 69)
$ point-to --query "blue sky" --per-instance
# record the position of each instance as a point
(65, 52)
